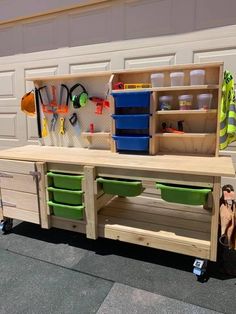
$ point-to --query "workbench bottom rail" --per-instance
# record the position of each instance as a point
(191, 247)
(159, 240)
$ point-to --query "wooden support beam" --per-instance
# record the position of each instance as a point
(90, 202)
(215, 218)
(43, 206)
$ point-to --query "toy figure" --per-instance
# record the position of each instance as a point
(228, 217)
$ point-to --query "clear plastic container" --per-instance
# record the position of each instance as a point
(204, 101)
(197, 77)
(157, 79)
(185, 102)
(165, 102)
(177, 78)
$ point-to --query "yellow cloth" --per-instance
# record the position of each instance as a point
(227, 112)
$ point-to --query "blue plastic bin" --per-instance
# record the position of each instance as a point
(131, 121)
(134, 143)
(132, 99)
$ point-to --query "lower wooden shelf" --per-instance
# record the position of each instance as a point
(184, 135)
(133, 220)
(186, 143)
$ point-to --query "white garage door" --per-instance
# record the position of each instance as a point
(202, 46)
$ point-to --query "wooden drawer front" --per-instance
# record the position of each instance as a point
(19, 200)
(18, 182)
(23, 167)
(20, 214)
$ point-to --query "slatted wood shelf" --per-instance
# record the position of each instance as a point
(96, 134)
(187, 112)
(134, 220)
(168, 88)
(185, 135)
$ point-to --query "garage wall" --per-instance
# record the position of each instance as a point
(34, 47)
(75, 23)
(203, 46)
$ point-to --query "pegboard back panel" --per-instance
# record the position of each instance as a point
(88, 119)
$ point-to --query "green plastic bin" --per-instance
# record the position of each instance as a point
(121, 187)
(183, 194)
(69, 197)
(66, 181)
(67, 211)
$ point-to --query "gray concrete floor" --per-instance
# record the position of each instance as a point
(56, 271)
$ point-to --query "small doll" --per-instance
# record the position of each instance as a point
(228, 217)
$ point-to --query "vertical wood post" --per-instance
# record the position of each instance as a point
(43, 206)
(215, 218)
(90, 202)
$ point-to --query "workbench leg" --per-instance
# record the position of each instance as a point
(44, 211)
(90, 202)
(215, 218)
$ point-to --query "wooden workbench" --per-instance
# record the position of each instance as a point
(145, 220)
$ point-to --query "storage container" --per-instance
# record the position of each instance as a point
(197, 77)
(67, 211)
(204, 101)
(165, 102)
(69, 197)
(132, 99)
(121, 187)
(131, 143)
(132, 121)
(65, 181)
(157, 79)
(183, 194)
(185, 102)
(177, 78)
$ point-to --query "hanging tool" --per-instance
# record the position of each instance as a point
(62, 126)
(100, 104)
(63, 108)
(119, 85)
(74, 122)
(38, 112)
(91, 128)
(45, 128)
(53, 122)
(50, 106)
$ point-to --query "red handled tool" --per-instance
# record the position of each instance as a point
(100, 104)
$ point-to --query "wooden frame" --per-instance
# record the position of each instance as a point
(201, 127)
(146, 219)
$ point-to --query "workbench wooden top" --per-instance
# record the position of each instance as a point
(207, 166)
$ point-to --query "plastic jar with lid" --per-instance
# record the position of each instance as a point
(177, 78)
(185, 102)
(197, 77)
(165, 102)
(157, 79)
(204, 101)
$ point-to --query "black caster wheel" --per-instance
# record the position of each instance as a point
(199, 270)
(6, 225)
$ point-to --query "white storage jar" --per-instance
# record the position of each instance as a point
(185, 102)
(197, 77)
(204, 101)
(157, 79)
(177, 78)
(165, 102)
